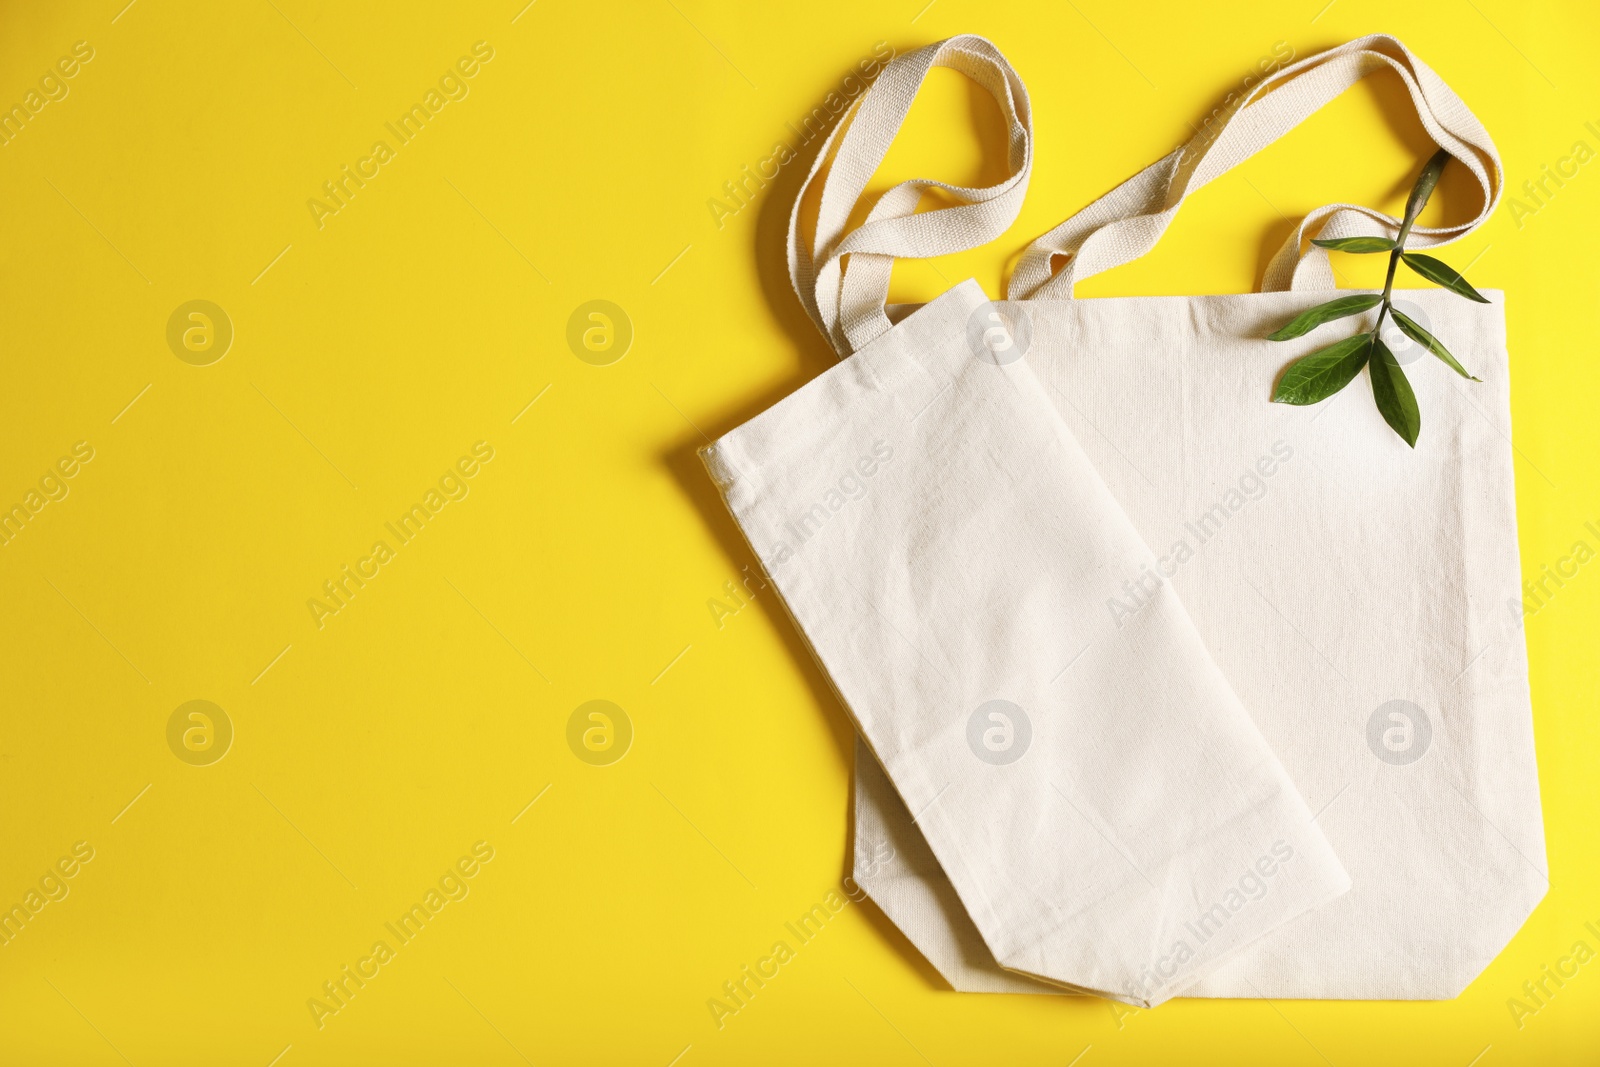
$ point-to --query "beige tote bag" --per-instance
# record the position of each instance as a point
(1361, 597)
(1093, 789)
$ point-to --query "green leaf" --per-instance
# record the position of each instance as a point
(1321, 374)
(1430, 342)
(1307, 321)
(1442, 273)
(1356, 244)
(1396, 402)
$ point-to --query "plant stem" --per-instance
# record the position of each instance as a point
(1419, 196)
(1388, 281)
(1388, 286)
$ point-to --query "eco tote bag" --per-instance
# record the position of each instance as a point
(1361, 598)
(946, 547)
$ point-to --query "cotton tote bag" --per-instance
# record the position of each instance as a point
(1091, 790)
(1361, 597)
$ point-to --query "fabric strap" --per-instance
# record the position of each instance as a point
(1128, 221)
(848, 304)
(847, 301)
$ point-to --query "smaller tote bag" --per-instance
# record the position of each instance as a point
(1095, 793)
(1360, 596)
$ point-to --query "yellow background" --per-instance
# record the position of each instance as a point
(369, 754)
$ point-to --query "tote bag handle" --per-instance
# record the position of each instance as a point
(1128, 221)
(848, 304)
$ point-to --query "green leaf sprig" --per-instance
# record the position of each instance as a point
(1326, 371)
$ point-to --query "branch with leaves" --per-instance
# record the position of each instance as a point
(1318, 376)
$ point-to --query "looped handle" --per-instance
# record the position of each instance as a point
(1127, 222)
(848, 304)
